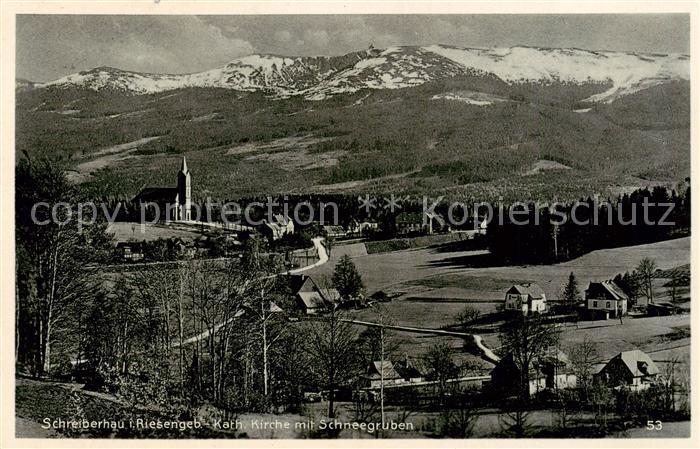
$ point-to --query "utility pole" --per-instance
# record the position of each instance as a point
(381, 369)
(556, 247)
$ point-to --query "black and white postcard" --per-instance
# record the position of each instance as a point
(308, 221)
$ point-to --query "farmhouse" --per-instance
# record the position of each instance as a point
(419, 223)
(279, 226)
(551, 370)
(130, 251)
(378, 371)
(362, 227)
(630, 369)
(606, 300)
(663, 308)
(526, 299)
(335, 232)
(170, 203)
(309, 297)
(408, 372)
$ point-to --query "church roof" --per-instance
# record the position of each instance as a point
(183, 167)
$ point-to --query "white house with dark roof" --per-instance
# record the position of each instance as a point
(549, 370)
(606, 300)
(278, 226)
(526, 299)
(630, 369)
(311, 298)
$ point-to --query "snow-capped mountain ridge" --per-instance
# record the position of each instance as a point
(398, 67)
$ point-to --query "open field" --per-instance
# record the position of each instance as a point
(107, 157)
(432, 287)
(386, 270)
(124, 231)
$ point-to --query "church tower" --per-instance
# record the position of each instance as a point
(184, 193)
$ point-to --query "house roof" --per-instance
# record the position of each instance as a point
(300, 282)
(312, 300)
(274, 308)
(377, 368)
(533, 290)
(280, 219)
(611, 288)
(333, 229)
(275, 227)
(552, 355)
(638, 363)
(407, 371)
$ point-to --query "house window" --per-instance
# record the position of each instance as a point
(595, 303)
(607, 305)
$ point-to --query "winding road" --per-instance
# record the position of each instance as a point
(322, 258)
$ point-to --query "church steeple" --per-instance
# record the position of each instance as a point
(184, 192)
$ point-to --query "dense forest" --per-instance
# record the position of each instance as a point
(533, 234)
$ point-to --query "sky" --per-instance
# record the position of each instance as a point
(52, 46)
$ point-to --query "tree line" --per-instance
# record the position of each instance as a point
(537, 235)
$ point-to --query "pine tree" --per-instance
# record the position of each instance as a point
(571, 295)
(347, 280)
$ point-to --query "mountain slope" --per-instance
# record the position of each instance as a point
(316, 78)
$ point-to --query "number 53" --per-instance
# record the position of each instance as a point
(654, 425)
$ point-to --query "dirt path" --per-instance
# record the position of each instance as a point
(323, 258)
(475, 340)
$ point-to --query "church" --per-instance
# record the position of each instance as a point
(174, 203)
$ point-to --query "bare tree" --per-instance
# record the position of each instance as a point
(468, 315)
(331, 342)
(646, 270)
(441, 368)
(263, 292)
(527, 339)
(584, 357)
(53, 260)
(676, 288)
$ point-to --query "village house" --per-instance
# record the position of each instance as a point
(130, 251)
(630, 369)
(359, 228)
(278, 226)
(336, 232)
(662, 308)
(408, 371)
(310, 298)
(551, 370)
(526, 299)
(605, 300)
(408, 223)
(380, 371)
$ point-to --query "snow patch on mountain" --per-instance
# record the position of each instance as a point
(469, 97)
(317, 78)
(628, 72)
